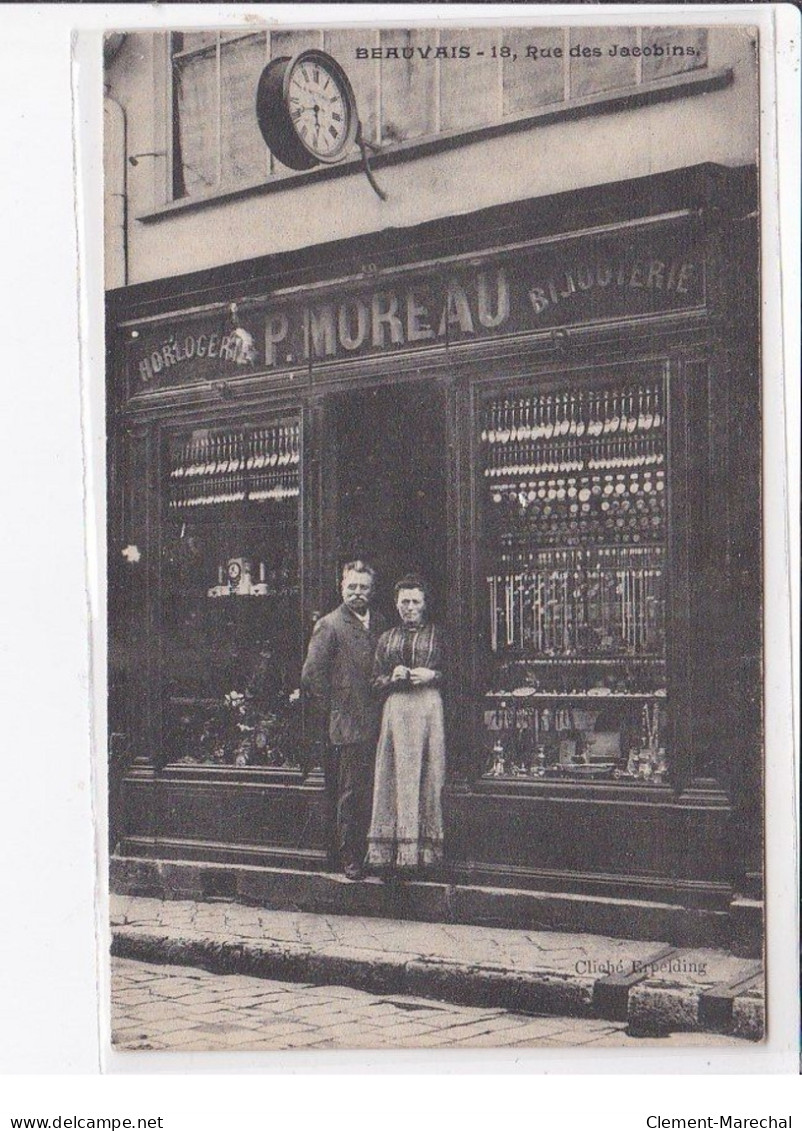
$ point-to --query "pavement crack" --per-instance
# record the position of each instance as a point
(451, 936)
(371, 937)
(555, 950)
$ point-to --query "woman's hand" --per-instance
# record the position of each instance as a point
(400, 673)
(421, 676)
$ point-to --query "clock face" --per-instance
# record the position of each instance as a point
(319, 107)
(306, 110)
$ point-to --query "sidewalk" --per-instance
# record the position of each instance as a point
(655, 987)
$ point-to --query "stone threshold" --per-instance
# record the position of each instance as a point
(432, 902)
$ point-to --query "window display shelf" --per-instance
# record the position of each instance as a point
(519, 696)
(574, 490)
(250, 466)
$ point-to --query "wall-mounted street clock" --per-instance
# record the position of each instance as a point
(306, 110)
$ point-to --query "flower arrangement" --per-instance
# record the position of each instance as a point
(259, 726)
(241, 733)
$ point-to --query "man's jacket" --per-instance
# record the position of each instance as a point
(337, 675)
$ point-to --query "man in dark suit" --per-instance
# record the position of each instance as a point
(337, 677)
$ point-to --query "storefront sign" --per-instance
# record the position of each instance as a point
(605, 278)
(175, 353)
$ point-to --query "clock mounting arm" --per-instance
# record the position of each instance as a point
(364, 146)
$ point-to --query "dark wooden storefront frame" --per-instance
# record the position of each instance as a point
(694, 843)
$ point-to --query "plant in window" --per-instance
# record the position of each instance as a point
(275, 709)
(260, 726)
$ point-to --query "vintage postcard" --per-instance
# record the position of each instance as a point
(434, 501)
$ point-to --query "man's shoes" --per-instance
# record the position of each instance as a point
(353, 872)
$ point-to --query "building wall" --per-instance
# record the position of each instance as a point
(474, 171)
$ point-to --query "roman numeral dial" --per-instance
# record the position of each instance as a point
(306, 110)
(320, 107)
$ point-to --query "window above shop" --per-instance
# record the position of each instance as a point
(411, 86)
(216, 139)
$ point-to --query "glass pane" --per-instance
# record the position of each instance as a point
(244, 153)
(592, 74)
(197, 126)
(575, 509)
(239, 33)
(470, 88)
(527, 87)
(677, 45)
(231, 601)
(289, 43)
(198, 40)
(408, 87)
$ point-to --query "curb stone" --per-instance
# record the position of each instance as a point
(749, 1016)
(651, 1009)
(656, 1010)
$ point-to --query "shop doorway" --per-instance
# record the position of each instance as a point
(391, 486)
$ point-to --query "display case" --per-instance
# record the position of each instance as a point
(574, 486)
(230, 595)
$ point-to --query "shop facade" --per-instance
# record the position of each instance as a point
(549, 407)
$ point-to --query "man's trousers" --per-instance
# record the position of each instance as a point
(353, 776)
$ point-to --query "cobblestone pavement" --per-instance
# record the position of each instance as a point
(187, 1009)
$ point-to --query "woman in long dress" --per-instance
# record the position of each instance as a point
(406, 830)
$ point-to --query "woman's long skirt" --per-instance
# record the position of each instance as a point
(406, 828)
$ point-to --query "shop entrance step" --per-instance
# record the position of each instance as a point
(432, 902)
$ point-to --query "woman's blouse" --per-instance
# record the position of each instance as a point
(421, 647)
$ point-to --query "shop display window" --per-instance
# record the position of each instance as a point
(574, 500)
(230, 647)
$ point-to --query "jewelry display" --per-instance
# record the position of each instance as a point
(576, 504)
(260, 465)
